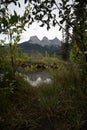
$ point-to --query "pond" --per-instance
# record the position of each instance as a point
(36, 78)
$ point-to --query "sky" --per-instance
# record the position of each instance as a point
(35, 29)
(40, 32)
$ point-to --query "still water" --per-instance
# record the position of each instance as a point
(37, 78)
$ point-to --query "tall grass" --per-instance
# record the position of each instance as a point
(64, 103)
(61, 105)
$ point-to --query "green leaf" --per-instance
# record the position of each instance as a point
(54, 23)
(14, 18)
(4, 21)
(15, 2)
(25, 1)
(60, 28)
(48, 27)
(42, 25)
(62, 21)
(19, 4)
(60, 11)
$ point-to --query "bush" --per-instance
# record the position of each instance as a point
(64, 103)
(61, 105)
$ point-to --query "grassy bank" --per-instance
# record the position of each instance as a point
(61, 105)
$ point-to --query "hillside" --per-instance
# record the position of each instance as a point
(42, 46)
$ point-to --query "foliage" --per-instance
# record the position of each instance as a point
(80, 26)
(75, 56)
(61, 105)
(12, 25)
(71, 20)
(65, 50)
(64, 100)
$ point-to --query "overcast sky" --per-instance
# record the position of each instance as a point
(34, 29)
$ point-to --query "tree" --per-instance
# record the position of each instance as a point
(65, 51)
(12, 25)
(69, 19)
(80, 26)
(72, 18)
(65, 43)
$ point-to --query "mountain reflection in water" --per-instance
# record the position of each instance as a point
(37, 78)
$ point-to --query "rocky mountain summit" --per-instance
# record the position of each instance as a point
(34, 40)
(34, 44)
(45, 41)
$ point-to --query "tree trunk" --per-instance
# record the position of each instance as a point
(12, 61)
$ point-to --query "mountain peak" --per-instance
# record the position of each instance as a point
(45, 38)
(34, 40)
(55, 41)
(45, 41)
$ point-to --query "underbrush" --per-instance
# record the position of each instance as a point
(64, 103)
(61, 105)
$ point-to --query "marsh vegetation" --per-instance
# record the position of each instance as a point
(61, 104)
